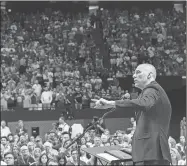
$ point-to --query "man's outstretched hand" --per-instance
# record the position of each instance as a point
(103, 103)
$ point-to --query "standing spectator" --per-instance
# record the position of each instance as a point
(63, 126)
(21, 128)
(78, 100)
(5, 131)
(132, 127)
(181, 145)
(37, 89)
(175, 156)
(98, 128)
(46, 98)
(183, 127)
(4, 104)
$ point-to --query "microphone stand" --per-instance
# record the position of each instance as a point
(78, 139)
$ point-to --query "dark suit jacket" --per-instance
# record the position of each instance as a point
(150, 140)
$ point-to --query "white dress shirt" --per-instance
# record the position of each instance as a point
(5, 131)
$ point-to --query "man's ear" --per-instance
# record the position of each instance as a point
(149, 75)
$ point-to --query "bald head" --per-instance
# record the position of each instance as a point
(144, 74)
(149, 69)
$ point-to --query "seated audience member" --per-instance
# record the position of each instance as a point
(74, 158)
(9, 159)
(25, 158)
(44, 159)
(5, 143)
(62, 160)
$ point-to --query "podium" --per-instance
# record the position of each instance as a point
(103, 156)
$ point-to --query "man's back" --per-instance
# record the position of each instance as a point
(152, 130)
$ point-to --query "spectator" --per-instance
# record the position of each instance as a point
(6, 146)
(63, 126)
(183, 127)
(51, 153)
(122, 141)
(21, 128)
(9, 159)
(74, 159)
(43, 159)
(5, 131)
(58, 56)
(104, 139)
(30, 146)
(37, 89)
(97, 142)
(132, 127)
(39, 143)
(181, 146)
(62, 161)
(25, 158)
(175, 156)
(46, 98)
(36, 155)
(98, 128)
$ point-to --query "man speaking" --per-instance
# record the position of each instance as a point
(150, 140)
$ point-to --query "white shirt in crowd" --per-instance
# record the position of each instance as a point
(37, 89)
(64, 127)
(3, 163)
(5, 131)
(46, 97)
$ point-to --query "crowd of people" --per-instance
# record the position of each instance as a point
(155, 37)
(55, 148)
(51, 59)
